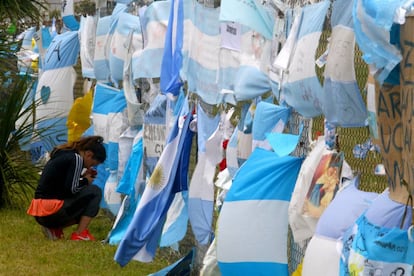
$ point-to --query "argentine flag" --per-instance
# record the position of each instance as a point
(101, 60)
(87, 34)
(170, 81)
(342, 101)
(68, 17)
(55, 88)
(203, 53)
(249, 13)
(268, 118)
(131, 185)
(127, 25)
(143, 234)
(244, 62)
(201, 195)
(146, 62)
(109, 121)
(302, 89)
(252, 227)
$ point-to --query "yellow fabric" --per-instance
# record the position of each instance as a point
(298, 271)
(78, 118)
(35, 62)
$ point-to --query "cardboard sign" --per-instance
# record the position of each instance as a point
(390, 130)
(407, 100)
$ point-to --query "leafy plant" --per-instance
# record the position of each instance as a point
(18, 176)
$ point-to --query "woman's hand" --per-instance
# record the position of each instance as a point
(90, 174)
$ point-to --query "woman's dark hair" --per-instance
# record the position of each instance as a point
(92, 143)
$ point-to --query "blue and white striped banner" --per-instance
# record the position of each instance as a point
(87, 34)
(119, 45)
(201, 192)
(100, 61)
(268, 118)
(68, 16)
(55, 90)
(146, 63)
(170, 82)
(109, 122)
(250, 13)
(202, 65)
(252, 227)
(342, 101)
(302, 89)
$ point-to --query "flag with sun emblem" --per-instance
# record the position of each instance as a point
(169, 177)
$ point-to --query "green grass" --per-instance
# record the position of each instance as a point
(25, 251)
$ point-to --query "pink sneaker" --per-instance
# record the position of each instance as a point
(83, 236)
(53, 233)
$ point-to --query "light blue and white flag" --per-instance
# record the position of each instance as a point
(175, 226)
(109, 121)
(375, 36)
(146, 62)
(143, 234)
(101, 61)
(342, 101)
(170, 82)
(55, 88)
(111, 197)
(250, 13)
(201, 192)
(302, 89)
(63, 51)
(244, 62)
(68, 16)
(268, 118)
(117, 43)
(131, 185)
(252, 227)
(130, 153)
(121, 42)
(176, 222)
(87, 37)
(202, 66)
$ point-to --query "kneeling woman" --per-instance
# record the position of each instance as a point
(65, 195)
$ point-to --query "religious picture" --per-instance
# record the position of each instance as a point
(324, 185)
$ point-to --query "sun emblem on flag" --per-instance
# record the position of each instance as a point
(157, 178)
